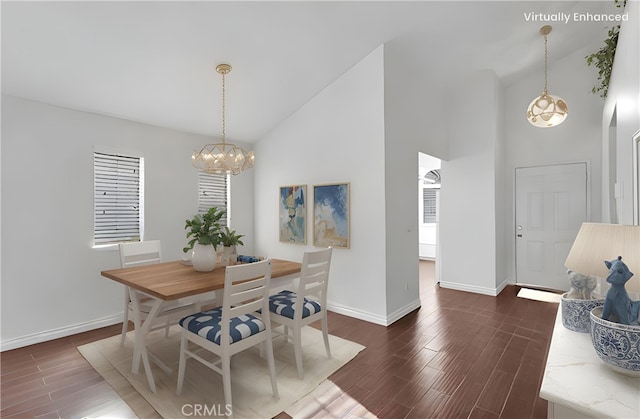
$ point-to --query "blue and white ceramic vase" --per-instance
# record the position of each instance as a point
(575, 313)
(618, 345)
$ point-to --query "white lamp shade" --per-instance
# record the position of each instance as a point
(547, 111)
(597, 242)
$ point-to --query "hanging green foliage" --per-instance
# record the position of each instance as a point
(603, 58)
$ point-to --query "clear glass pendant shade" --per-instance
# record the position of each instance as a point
(223, 157)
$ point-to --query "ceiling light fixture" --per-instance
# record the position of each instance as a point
(223, 157)
(547, 110)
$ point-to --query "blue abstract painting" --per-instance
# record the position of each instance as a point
(293, 214)
(331, 215)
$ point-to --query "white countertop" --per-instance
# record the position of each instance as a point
(576, 378)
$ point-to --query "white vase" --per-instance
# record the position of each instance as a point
(204, 257)
(229, 255)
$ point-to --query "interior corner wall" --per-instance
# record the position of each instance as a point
(413, 123)
(576, 139)
(468, 196)
(624, 98)
(51, 283)
(338, 136)
(501, 204)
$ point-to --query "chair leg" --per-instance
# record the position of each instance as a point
(125, 328)
(166, 329)
(325, 335)
(226, 382)
(182, 364)
(297, 344)
(125, 317)
(286, 333)
(272, 367)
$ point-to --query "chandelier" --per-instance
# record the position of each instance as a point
(547, 110)
(223, 157)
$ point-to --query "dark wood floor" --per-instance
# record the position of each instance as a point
(461, 355)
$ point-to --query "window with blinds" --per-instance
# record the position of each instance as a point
(118, 199)
(430, 200)
(212, 192)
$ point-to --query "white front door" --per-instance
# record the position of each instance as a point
(551, 205)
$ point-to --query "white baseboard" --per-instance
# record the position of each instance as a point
(374, 318)
(403, 311)
(475, 289)
(44, 336)
(47, 335)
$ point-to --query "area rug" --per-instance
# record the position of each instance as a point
(202, 394)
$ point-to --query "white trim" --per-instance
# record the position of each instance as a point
(118, 151)
(474, 289)
(374, 318)
(403, 311)
(357, 314)
(635, 139)
(61, 332)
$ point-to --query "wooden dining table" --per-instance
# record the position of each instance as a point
(166, 283)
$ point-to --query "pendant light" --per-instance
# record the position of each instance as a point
(223, 157)
(546, 110)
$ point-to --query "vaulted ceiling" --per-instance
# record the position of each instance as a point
(154, 62)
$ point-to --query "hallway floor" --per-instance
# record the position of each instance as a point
(461, 355)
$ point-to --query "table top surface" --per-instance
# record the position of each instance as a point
(174, 280)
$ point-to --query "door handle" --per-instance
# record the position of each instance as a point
(519, 235)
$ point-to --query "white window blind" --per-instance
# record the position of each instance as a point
(212, 192)
(430, 200)
(117, 198)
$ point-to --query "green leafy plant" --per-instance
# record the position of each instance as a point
(603, 58)
(229, 237)
(204, 229)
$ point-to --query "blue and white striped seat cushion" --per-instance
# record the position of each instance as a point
(282, 304)
(207, 325)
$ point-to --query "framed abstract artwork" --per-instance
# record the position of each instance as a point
(331, 215)
(293, 214)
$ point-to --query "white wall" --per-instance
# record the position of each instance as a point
(624, 98)
(467, 239)
(576, 139)
(51, 283)
(413, 122)
(338, 136)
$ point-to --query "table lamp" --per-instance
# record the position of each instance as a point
(597, 242)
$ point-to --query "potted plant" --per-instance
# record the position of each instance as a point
(603, 58)
(229, 239)
(205, 233)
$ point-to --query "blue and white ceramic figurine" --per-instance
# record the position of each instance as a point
(579, 301)
(618, 307)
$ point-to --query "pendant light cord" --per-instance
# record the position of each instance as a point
(223, 107)
(545, 65)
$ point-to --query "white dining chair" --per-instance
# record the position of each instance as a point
(305, 305)
(138, 254)
(146, 253)
(233, 327)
